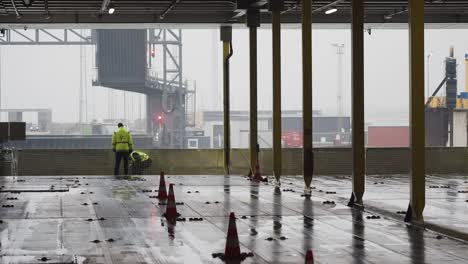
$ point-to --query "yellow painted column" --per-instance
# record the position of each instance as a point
(308, 155)
(276, 9)
(253, 100)
(226, 38)
(359, 158)
(417, 140)
(253, 21)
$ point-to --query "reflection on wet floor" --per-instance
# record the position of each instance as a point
(446, 197)
(106, 220)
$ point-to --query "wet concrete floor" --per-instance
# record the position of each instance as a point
(446, 197)
(100, 219)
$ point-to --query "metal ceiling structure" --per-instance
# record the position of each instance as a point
(214, 11)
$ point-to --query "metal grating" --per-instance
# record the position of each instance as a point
(214, 11)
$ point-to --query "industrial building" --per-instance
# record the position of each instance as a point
(285, 176)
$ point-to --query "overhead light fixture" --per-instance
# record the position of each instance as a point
(331, 11)
(111, 10)
(27, 3)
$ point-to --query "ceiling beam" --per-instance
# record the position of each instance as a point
(215, 11)
(218, 18)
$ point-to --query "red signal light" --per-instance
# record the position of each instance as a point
(159, 118)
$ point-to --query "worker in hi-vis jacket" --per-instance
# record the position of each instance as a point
(122, 145)
(139, 162)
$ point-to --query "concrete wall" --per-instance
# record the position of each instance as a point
(439, 160)
(327, 161)
(387, 160)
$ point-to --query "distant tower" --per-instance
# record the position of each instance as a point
(452, 81)
(339, 94)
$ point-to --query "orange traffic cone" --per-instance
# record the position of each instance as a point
(171, 210)
(162, 193)
(309, 257)
(258, 174)
(232, 250)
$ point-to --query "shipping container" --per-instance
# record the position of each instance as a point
(388, 136)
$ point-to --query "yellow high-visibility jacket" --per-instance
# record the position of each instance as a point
(139, 156)
(122, 140)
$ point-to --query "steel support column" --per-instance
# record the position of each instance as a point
(359, 158)
(253, 21)
(226, 104)
(308, 155)
(226, 38)
(276, 7)
(417, 143)
(253, 100)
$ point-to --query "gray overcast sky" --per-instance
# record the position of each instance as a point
(49, 76)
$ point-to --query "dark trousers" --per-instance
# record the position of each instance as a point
(119, 155)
